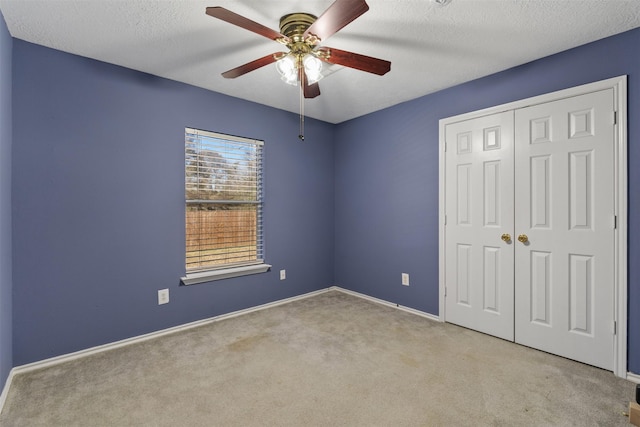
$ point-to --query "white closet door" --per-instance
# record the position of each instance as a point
(479, 206)
(564, 277)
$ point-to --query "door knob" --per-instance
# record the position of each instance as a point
(506, 237)
(523, 238)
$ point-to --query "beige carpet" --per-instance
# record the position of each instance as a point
(328, 360)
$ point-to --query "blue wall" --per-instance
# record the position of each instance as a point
(5, 203)
(98, 194)
(98, 202)
(386, 175)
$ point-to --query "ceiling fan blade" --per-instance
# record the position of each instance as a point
(310, 90)
(355, 60)
(336, 17)
(246, 23)
(253, 65)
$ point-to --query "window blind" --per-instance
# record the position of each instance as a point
(223, 191)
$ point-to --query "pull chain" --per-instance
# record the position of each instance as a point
(301, 81)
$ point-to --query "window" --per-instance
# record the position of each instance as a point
(223, 192)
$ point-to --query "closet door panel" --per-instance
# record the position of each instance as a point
(564, 278)
(479, 206)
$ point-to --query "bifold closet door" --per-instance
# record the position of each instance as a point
(564, 164)
(479, 204)
(529, 232)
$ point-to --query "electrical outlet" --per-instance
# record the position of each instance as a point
(283, 274)
(405, 279)
(163, 296)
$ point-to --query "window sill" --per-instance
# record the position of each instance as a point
(223, 273)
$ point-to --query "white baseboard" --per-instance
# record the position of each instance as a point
(5, 389)
(630, 375)
(387, 303)
(140, 338)
(106, 347)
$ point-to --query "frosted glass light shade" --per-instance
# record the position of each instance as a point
(288, 70)
(313, 69)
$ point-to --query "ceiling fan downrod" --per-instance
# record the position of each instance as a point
(301, 80)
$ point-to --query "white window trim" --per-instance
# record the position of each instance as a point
(223, 273)
(204, 276)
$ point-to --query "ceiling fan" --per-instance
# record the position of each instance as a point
(302, 34)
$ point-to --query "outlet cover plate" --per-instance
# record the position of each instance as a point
(163, 296)
(405, 279)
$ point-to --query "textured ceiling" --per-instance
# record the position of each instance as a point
(431, 47)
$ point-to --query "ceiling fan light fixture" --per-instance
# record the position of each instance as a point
(289, 65)
(288, 70)
(313, 69)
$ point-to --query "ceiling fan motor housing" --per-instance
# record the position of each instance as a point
(293, 25)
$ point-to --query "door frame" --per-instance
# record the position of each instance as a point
(619, 86)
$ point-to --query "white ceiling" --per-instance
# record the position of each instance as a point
(431, 47)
